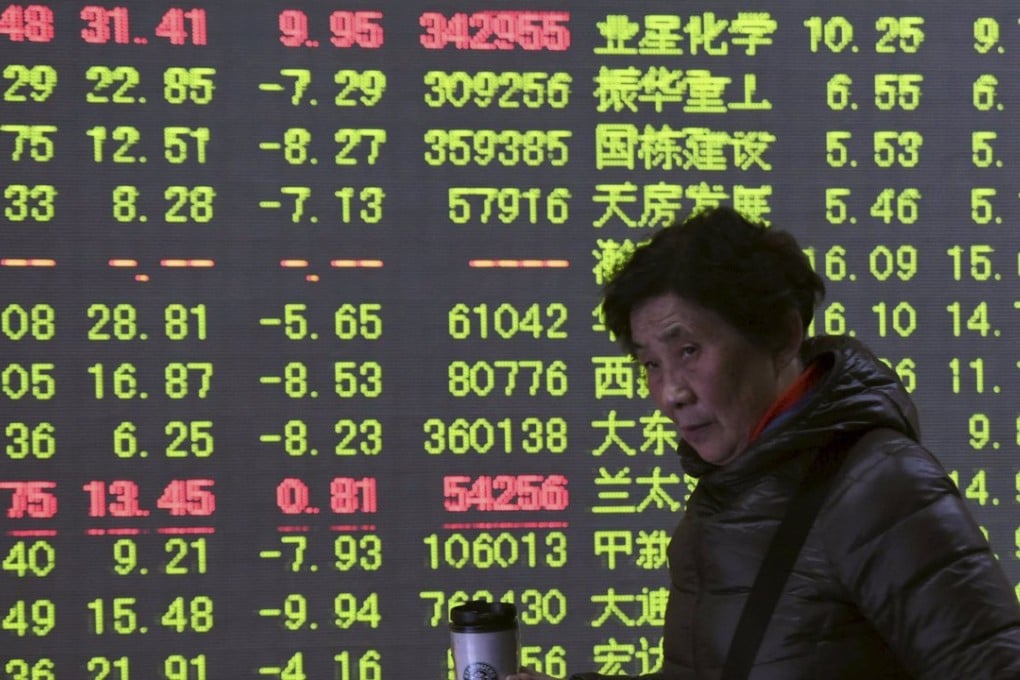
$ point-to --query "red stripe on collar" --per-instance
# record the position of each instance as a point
(804, 382)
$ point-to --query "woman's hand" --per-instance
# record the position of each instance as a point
(526, 674)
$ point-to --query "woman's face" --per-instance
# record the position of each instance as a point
(713, 383)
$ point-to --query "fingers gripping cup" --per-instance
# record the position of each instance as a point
(484, 639)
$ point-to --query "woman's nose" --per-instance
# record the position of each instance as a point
(677, 392)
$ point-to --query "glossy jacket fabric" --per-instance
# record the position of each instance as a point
(895, 579)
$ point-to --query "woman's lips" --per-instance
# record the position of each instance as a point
(687, 431)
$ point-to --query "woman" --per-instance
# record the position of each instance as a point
(894, 579)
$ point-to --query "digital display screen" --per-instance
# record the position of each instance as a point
(299, 306)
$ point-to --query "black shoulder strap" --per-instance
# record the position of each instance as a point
(782, 552)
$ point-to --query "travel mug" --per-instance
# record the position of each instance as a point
(484, 639)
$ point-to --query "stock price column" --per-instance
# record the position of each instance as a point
(30, 544)
(494, 442)
(323, 465)
(919, 246)
(299, 328)
(110, 384)
(983, 263)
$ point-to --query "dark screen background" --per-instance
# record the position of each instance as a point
(247, 435)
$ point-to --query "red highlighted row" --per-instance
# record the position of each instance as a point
(347, 495)
(34, 23)
(505, 493)
(120, 498)
(485, 30)
(293, 263)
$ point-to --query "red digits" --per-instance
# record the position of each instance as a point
(292, 496)
(349, 29)
(188, 497)
(293, 28)
(349, 495)
(496, 30)
(356, 28)
(484, 21)
(119, 498)
(457, 31)
(553, 494)
(434, 24)
(33, 23)
(530, 35)
(97, 498)
(555, 33)
(174, 26)
(98, 29)
(31, 499)
(38, 23)
(199, 31)
(171, 27)
(504, 27)
(12, 23)
(502, 493)
(526, 489)
(125, 503)
(455, 493)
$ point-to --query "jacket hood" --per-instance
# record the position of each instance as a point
(857, 392)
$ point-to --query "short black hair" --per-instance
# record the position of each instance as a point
(750, 274)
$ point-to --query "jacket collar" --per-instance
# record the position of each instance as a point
(857, 392)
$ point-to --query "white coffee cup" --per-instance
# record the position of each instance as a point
(484, 639)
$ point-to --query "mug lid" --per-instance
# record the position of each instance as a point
(482, 615)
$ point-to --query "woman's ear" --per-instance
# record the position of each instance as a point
(793, 339)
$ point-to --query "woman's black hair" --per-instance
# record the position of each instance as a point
(752, 275)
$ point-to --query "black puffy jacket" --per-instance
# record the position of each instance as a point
(895, 579)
